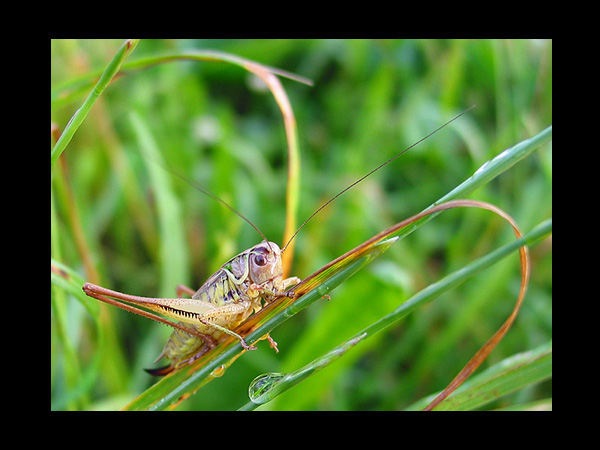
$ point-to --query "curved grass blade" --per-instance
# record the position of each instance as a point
(507, 376)
(72, 87)
(68, 279)
(488, 171)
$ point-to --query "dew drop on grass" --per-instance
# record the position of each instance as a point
(261, 387)
(218, 371)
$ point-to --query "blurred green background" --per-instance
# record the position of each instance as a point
(122, 227)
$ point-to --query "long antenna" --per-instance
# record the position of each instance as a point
(206, 192)
(373, 171)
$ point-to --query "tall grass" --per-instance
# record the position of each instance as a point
(213, 122)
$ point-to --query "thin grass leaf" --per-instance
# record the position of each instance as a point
(111, 70)
(488, 171)
(266, 387)
(173, 254)
(510, 375)
(69, 281)
(58, 298)
(73, 86)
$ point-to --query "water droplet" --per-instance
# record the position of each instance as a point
(218, 371)
(261, 388)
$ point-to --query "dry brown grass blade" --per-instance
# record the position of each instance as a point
(484, 351)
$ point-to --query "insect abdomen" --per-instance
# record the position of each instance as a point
(182, 347)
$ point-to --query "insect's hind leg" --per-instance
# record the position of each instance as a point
(205, 349)
(184, 290)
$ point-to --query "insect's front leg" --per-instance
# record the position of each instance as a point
(290, 282)
(264, 288)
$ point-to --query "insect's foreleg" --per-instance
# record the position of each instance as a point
(273, 293)
(290, 282)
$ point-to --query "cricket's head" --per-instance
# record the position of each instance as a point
(265, 263)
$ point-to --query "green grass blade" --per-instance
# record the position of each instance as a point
(502, 162)
(67, 359)
(510, 375)
(173, 254)
(487, 172)
(66, 280)
(75, 85)
(265, 388)
(111, 70)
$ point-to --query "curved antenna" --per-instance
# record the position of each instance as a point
(206, 192)
(372, 172)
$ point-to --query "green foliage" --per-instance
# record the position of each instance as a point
(116, 220)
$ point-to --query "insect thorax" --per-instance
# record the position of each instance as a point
(220, 289)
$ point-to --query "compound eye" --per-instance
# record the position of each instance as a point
(260, 260)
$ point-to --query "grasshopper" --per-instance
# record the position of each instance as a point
(224, 301)
(241, 287)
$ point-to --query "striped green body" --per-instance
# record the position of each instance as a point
(224, 301)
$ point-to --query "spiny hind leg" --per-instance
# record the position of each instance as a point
(210, 342)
